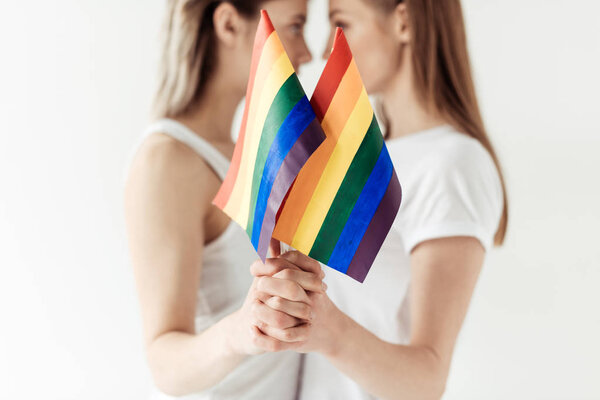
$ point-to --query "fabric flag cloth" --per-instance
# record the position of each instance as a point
(279, 132)
(346, 197)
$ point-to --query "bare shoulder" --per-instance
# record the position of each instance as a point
(162, 154)
(166, 167)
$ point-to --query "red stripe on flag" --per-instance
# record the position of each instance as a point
(264, 30)
(332, 75)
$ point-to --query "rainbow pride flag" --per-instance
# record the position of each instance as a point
(278, 134)
(343, 202)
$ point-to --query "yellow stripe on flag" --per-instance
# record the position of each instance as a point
(343, 102)
(280, 71)
(272, 51)
(347, 145)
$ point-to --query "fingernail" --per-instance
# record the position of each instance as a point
(324, 286)
(322, 274)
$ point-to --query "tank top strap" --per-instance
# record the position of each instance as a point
(215, 159)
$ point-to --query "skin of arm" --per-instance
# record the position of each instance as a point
(444, 274)
(165, 207)
(165, 203)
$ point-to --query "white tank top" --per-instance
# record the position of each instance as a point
(224, 284)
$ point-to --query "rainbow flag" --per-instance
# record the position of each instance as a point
(345, 198)
(278, 134)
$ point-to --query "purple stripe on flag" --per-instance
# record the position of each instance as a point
(305, 146)
(377, 231)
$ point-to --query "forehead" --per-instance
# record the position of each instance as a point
(285, 9)
(347, 6)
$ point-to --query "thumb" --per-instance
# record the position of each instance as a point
(275, 247)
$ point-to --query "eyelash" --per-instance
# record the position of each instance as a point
(340, 24)
(297, 29)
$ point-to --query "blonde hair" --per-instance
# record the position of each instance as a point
(188, 53)
(443, 73)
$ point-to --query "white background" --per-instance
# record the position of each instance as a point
(76, 80)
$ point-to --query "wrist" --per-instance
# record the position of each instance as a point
(231, 335)
(337, 329)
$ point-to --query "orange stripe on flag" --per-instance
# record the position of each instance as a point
(302, 192)
(265, 30)
(343, 102)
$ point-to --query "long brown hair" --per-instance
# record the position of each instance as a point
(188, 52)
(443, 73)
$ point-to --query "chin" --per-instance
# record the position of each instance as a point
(372, 88)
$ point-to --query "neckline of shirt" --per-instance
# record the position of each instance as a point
(192, 135)
(421, 133)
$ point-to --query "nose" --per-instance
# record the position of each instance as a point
(306, 55)
(327, 50)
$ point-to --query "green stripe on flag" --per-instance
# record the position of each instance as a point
(289, 94)
(348, 193)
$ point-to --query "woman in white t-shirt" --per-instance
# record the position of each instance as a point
(393, 335)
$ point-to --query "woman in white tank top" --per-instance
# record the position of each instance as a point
(191, 263)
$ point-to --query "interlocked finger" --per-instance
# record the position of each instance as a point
(265, 315)
(294, 308)
(288, 289)
(303, 261)
(289, 335)
(307, 280)
(265, 342)
(271, 266)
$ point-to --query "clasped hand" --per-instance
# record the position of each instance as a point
(290, 309)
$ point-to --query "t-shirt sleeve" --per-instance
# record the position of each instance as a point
(455, 191)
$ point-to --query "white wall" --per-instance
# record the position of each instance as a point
(76, 78)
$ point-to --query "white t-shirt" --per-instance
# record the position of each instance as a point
(450, 187)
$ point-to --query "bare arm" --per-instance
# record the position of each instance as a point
(444, 273)
(165, 206)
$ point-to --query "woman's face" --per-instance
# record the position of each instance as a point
(369, 32)
(289, 17)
